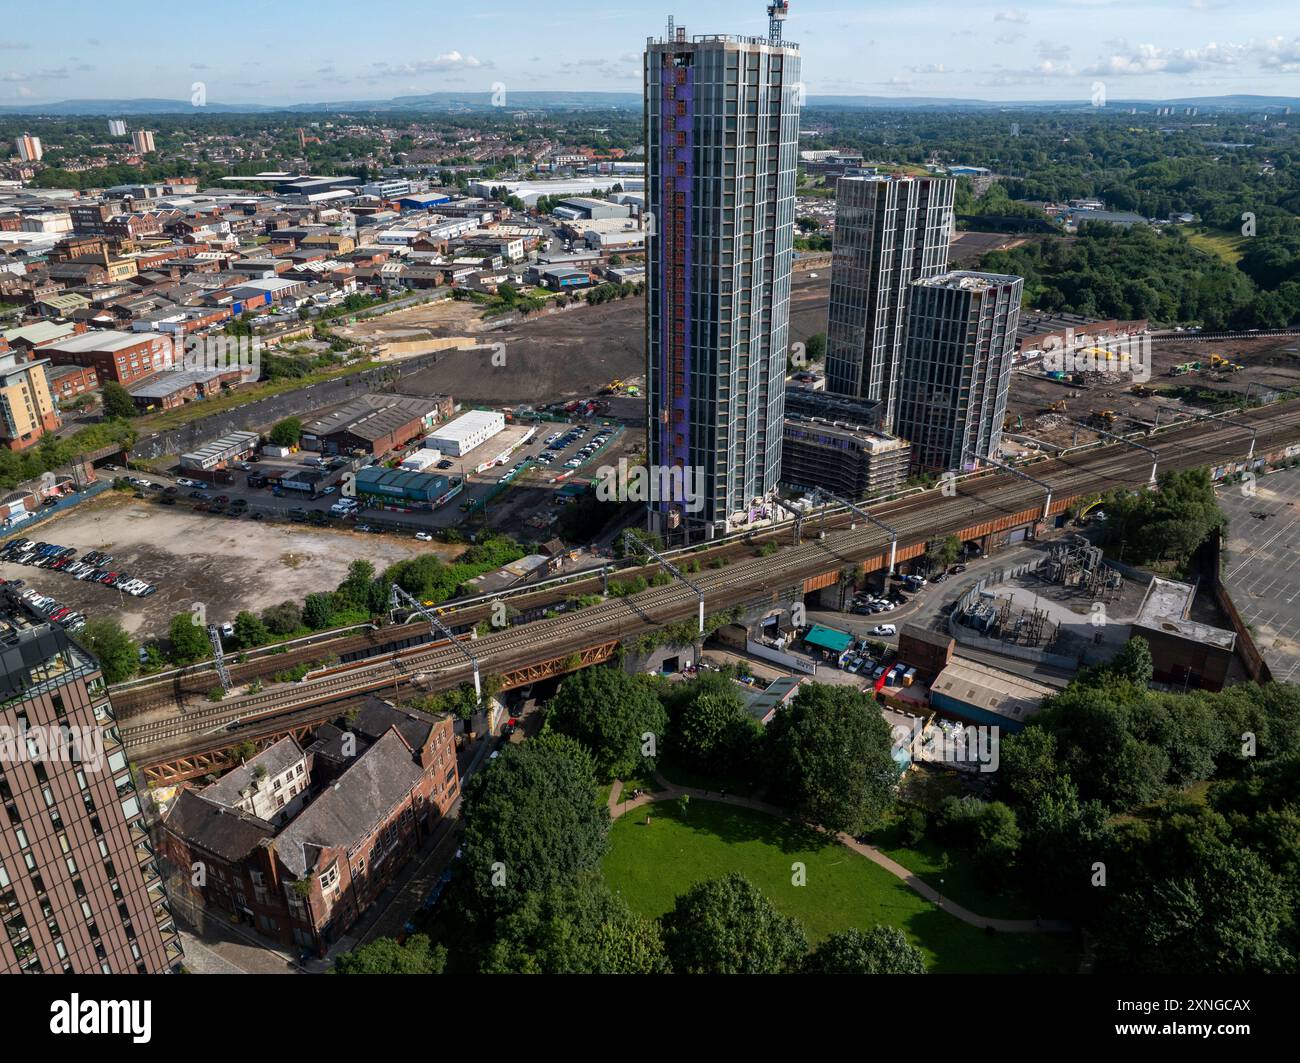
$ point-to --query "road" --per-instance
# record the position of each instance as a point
(980, 502)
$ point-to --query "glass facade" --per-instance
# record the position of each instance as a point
(722, 129)
(952, 399)
(889, 232)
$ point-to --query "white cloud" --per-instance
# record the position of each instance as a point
(929, 68)
(452, 60)
(1012, 15)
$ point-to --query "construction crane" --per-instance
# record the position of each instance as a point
(397, 596)
(777, 11)
(219, 656)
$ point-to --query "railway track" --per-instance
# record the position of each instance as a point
(920, 518)
(137, 699)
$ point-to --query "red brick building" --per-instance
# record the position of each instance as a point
(377, 790)
(120, 356)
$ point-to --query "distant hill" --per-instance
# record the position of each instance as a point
(565, 100)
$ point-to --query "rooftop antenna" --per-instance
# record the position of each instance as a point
(777, 12)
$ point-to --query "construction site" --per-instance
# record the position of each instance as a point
(1188, 378)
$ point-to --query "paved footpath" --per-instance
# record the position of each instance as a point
(669, 791)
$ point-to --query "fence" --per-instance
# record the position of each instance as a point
(786, 660)
(61, 506)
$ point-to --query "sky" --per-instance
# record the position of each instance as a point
(248, 51)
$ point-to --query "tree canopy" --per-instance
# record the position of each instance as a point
(611, 713)
(727, 926)
(533, 820)
(829, 757)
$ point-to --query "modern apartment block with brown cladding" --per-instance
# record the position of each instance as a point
(80, 888)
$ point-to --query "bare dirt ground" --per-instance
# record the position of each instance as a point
(227, 564)
(444, 317)
(1272, 364)
(968, 248)
(565, 355)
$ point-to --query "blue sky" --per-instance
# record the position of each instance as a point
(329, 49)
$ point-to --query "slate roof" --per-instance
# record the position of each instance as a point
(359, 800)
(227, 833)
(276, 759)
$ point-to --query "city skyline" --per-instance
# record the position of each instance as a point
(935, 48)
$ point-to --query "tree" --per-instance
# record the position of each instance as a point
(829, 757)
(533, 819)
(1192, 902)
(386, 956)
(249, 630)
(283, 619)
(609, 711)
(713, 730)
(944, 553)
(189, 641)
(287, 432)
(318, 610)
(579, 927)
(880, 950)
(1134, 664)
(356, 586)
(117, 653)
(117, 401)
(726, 926)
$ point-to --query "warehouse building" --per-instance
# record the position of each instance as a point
(985, 695)
(849, 460)
(466, 432)
(375, 424)
(163, 391)
(394, 489)
(121, 356)
(234, 447)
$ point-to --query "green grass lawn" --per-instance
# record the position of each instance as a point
(950, 872)
(1227, 246)
(651, 865)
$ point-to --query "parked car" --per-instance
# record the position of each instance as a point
(424, 537)
(884, 629)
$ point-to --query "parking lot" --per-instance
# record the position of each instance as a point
(226, 564)
(512, 493)
(1262, 570)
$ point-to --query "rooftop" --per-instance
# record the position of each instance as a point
(348, 811)
(275, 760)
(99, 340)
(1165, 609)
(991, 689)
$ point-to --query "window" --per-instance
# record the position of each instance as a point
(329, 877)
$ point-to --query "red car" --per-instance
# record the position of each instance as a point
(108, 577)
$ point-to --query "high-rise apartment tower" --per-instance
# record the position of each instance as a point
(889, 232)
(961, 335)
(722, 131)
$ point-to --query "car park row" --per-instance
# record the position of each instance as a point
(93, 567)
